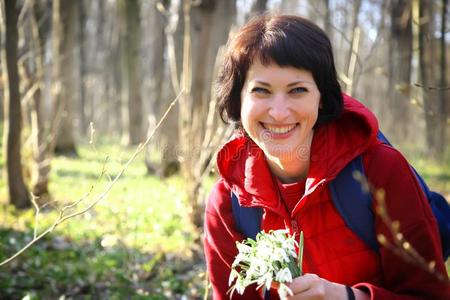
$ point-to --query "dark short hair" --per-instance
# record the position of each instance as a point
(286, 41)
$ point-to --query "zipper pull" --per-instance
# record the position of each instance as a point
(294, 226)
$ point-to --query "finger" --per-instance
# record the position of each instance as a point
(303, 283)
(312, 293)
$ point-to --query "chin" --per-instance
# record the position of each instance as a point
(281, 152)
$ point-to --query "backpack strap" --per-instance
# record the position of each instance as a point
(248, 222)
(247, 219)
(353, 203)
(438, 204)
(441, 211)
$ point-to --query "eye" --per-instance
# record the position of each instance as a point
(260, 90)
(298, 90)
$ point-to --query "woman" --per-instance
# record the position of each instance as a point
(296, 132)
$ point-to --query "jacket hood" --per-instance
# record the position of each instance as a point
(243, 166)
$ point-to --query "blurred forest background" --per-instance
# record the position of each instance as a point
(84, 83)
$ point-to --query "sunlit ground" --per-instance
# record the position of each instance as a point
(135, 242)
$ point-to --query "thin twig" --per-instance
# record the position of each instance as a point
(63, 218)
(400, 245)
(436, 88)
(207, 286)
(36, 216)
(91, 142)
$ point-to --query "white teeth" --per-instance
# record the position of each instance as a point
(279, 130)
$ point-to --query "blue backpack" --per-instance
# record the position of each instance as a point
(358, 215)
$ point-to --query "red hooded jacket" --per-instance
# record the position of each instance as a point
(331, 249)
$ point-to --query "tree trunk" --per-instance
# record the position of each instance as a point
(158, 44)
(119, 88)
(165, 143)
(18, 193)
(64, 28)
(287, 6)
(41, 154)
(443, 92)
(123, 71)
(327, 20)
(103, 34)
(427, 76)
(82, 42)
(131, 34)
(205, 33)
(400, 54)
(113, 72)
(258, 7)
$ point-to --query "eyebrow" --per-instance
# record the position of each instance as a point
(289, 85)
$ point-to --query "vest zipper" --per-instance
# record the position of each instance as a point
(294, 224)
(295, 228)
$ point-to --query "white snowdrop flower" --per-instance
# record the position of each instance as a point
(233, 275)
(252, 270)
(265, 280)
(284, 275)
(240, 286)
(280, 254)
(243, 248)
(284, 291)
(264, 250)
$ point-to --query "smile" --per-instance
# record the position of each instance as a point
(277, 129)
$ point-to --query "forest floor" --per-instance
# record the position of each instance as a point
(134, 244)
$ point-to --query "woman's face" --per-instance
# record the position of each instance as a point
(279, 107)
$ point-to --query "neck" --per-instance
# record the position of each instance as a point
(291, 168)
(289, 172)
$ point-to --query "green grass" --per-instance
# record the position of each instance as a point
(435, 172)
(135, 243)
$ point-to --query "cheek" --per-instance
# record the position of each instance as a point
(314, 113)
(315, 105)
(309, 114)
(249, 116)
(246, 121)
(246, 110)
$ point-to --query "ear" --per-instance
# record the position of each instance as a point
(320, 104)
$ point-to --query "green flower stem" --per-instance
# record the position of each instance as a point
(300, 253)
(295, 271)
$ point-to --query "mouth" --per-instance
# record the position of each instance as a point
(279, 129)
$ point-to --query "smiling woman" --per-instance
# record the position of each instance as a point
(295, 134)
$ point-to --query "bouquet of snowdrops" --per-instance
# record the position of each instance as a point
(272, 257)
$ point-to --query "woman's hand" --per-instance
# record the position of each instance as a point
(311, 286)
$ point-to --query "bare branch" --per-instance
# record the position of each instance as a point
(352, 62)
(435, 88)
(170, 32)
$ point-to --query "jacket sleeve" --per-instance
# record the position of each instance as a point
(220, 243)
(405, 202)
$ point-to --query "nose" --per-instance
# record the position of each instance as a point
(279, 108)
